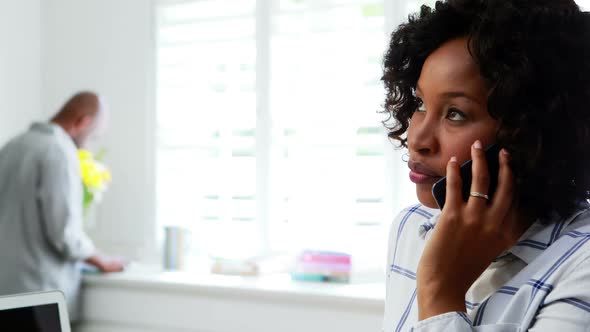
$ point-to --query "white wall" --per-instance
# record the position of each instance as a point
(106, 46)
(50, 49)
(19, 66)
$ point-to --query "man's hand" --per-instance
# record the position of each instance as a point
(107, 263)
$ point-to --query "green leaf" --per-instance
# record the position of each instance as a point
(87, 199)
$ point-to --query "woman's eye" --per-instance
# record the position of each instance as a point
(421, 107)
(456, 115)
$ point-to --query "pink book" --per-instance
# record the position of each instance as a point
(324, 257)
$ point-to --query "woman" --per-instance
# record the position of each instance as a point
(460, 77)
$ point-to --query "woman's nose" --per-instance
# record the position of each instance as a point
(422, 136)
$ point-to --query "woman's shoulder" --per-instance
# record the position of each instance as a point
(568, 251)
(405, 237)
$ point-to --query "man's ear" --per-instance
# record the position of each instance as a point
(84, 122)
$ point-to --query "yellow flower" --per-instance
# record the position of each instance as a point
(95, 176)
(106, 175)
(85, 155)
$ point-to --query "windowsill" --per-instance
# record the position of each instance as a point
(143, 299)
(369, 296)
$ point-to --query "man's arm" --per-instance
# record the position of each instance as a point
(60, 206)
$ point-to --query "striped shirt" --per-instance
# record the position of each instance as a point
(540, 284)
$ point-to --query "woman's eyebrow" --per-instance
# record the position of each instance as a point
(417, 89)
(451, 94)
(456, 94)
(461, 94)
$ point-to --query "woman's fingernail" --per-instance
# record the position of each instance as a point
(477, 145)
(453, 159)
(505, 153)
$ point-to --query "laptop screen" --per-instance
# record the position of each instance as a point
(39, 318)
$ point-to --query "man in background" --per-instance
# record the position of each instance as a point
(42, 243)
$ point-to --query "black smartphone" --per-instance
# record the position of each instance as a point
(439, 189)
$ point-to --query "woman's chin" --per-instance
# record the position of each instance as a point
(426, 198)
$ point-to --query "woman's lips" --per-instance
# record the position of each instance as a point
(420, 174)
(420, 178)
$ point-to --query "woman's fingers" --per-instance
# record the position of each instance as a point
(502, 199)
(454, 198)
(480, 178)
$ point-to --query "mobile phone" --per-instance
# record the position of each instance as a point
(439, 189)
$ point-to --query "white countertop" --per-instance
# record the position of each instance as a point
(276, 287)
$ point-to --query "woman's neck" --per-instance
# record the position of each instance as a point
(523, 222)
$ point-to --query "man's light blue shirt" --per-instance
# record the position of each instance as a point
(41, 237)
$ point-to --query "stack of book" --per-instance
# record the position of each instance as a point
(251, 266)
(312, 265)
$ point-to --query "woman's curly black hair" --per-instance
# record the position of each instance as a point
(535, 57)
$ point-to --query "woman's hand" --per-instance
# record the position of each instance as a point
(467, 237)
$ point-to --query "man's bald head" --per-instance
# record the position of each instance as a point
(80, 116)
(81, 104)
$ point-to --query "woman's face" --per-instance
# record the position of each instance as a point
(451, 116)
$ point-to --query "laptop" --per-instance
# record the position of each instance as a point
(35, 312)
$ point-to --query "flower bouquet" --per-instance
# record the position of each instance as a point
(95, 178)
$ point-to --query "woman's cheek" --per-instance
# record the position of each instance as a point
(462, 154)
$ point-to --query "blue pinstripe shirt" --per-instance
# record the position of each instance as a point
(544, 279)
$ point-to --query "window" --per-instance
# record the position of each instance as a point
(584, 4)
(268, 132)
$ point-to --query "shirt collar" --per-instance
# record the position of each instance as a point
(52, 128)
(431, 216)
